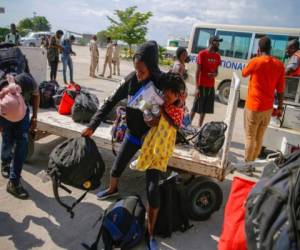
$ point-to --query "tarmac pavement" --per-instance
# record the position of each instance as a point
(40, 223)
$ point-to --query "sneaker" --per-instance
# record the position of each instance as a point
(5, 170)
(17, 190)
(102, 75)
(109, 77)
(152, 244)
(104, 194)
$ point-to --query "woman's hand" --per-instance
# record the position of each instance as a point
(87, 132)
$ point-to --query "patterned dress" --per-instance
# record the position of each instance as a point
(159, 143)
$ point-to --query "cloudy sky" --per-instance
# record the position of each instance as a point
(170, 17)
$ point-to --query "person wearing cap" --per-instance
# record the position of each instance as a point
(15, 137)
(13, 36)
(266, 79)
(208, 62)
(181, 59)
(116, 58)
(293, 51)
(108, 58)
(94, 56)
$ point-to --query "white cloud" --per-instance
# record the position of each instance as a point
(98, 13)
(174, 17)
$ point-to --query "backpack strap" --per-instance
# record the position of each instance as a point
(95, 244)
(57, 184)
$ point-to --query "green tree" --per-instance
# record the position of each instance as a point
(3, 33)
(25, 24)
(130, 26)
(161, 52)
(102, 36)
(40, 23)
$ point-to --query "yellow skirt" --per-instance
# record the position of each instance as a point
(158, 147)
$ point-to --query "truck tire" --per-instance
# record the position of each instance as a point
(205, 197)
(224, 91)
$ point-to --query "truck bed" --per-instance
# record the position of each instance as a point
(185, 158)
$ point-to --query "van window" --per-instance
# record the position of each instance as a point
(278, 42)
(235, 44)
(201, 39)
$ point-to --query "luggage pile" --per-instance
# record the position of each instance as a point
(70, 100)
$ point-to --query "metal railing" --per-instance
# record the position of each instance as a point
(233, 101)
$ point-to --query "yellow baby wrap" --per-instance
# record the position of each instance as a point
(158, 147)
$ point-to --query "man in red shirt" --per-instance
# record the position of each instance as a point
(266, 78)
(208, 62)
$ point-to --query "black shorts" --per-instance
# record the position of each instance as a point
(205, 101)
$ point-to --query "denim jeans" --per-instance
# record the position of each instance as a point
(67, 62)
(14, 145)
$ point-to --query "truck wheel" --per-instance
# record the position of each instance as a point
(205, 197)
(31, 45)
(224, 91)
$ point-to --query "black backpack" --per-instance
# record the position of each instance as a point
(273, 208)
(173, 213)
(58, 96)
(78, 163)
(211, 138)
(85, 106)
(47, 91)
(122, 224)
(12, 60)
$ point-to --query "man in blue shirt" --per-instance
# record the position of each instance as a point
(66, 58)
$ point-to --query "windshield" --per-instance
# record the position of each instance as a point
(30, 35)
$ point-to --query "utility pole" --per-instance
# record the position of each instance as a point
(34, 14)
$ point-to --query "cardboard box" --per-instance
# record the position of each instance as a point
(291, 118)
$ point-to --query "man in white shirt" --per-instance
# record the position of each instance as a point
(13, 36)
(108, 58)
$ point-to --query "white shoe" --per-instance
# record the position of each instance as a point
(133, 164)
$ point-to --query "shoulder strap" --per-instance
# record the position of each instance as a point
(56, 184)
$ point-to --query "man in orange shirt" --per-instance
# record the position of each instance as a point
(208, 62)
(266, 78)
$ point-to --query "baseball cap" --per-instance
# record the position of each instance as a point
(215, 39)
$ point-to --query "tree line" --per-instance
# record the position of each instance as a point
(129, 26)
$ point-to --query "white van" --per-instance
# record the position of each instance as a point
(34, 39)
(240, 43)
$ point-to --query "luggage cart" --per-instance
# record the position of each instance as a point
(205, 195)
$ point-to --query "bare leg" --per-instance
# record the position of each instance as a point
(192, 116)
(113, 184)
(201, 119)
(152, 217)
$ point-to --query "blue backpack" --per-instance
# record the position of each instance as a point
(122, 224)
